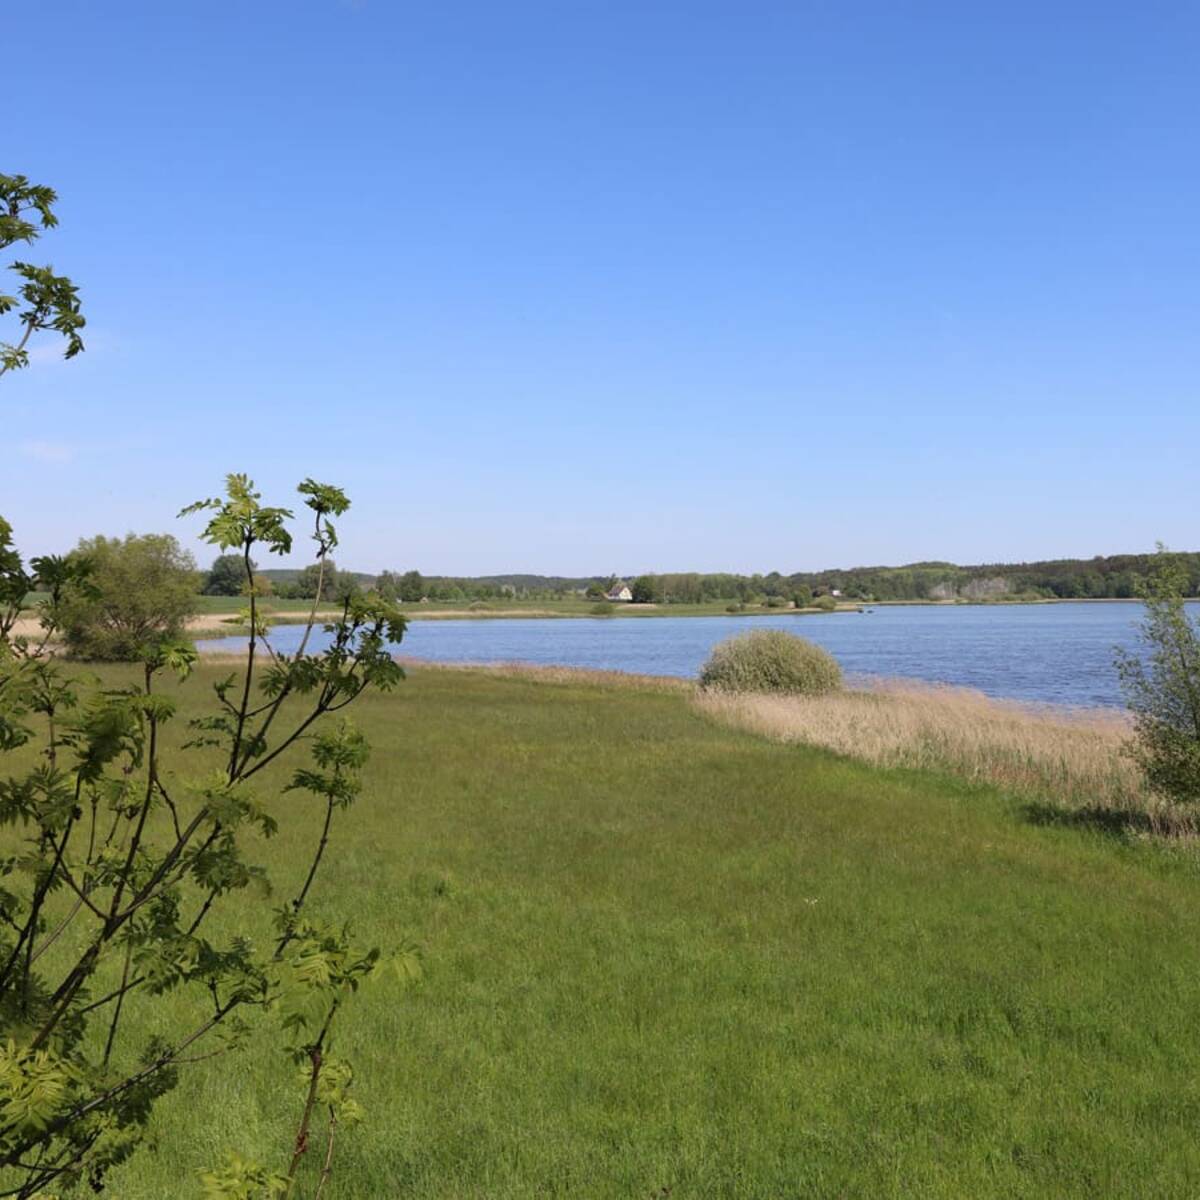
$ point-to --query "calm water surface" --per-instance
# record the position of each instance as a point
(1055, 653)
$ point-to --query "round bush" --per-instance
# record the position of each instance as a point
(770, 660)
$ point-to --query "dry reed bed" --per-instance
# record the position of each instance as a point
(1072, 758)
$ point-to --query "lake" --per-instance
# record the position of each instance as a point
(1051, 653)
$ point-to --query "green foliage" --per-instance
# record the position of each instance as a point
(408, 588)
(228, 576)
(771, 660)
(123, 854)
(318, 581)
(44, 301)
(825, 603)
(646, 589)
(1114, 577)
(411, 587)
(141, 591)
(241, 1179)
(604, 608)
(1162, 685)
(387, 584)
(777, 602)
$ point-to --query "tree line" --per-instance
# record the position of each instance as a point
(139, 564)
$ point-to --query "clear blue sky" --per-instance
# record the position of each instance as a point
(576, 287)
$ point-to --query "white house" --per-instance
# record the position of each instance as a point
(619, 591)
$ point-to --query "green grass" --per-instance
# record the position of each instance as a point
(235, 604)
(667, 958)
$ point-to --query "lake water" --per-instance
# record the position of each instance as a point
(1052, 653)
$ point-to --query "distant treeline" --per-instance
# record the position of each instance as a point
(1113, 577)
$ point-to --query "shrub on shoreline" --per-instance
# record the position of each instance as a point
(771, 660)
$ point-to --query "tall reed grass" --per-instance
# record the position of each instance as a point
(1071, 758)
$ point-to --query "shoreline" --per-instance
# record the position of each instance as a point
(858, 684)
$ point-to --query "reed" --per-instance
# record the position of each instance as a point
(1073, 758)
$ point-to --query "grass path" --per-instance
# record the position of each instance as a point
(668, 958)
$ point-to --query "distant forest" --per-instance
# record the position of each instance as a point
(1113, 577)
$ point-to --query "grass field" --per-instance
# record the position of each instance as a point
(667, 957)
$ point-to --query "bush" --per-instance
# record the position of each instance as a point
(777, 602)
(735, 608)
(825, 603)
(1162, 685)
(140, 593)
(770, 660)
(603, 609)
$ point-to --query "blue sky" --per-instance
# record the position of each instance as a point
(579, 287)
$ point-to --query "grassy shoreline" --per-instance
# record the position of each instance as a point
(667, 954)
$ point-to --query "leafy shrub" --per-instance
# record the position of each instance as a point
(1162, 686)
(140, 592)
(777, 602)
(603, 609)
(770, 660)
(735, 608)
(825, 603)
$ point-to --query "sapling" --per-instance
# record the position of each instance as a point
(1162, 684)
(119, 856)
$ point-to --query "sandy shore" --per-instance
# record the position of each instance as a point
(211, 624)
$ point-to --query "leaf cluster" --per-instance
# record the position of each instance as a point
(46, 301)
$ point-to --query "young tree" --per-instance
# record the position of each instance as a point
(127, 855)
(1162, 684)
(142, 591)
(44, 301)
(227, 576)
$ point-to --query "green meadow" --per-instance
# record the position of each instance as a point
(664, 958)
